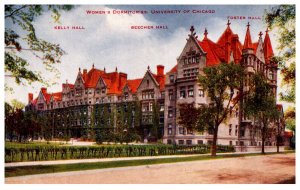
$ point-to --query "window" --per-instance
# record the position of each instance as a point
(189, 131)
(161, 118)
(182, 92)
(230, 143)
(271, 75)
(103, 90)
(150, 106)
(236, 130)
(162, 107)
(170, 131)
(126, 96)
(188, 142)
(145, 107)
(171, 78)
(201, 93)
(200, 142)
(169, 141)
(242, 131)
(169, 125)
(193, 59)
(170, 112)
(184, 61)
(209, 142)
(181, 142)
(191, 91)
(230, 129)
(163, 95)
(171, 95)
(180, 130)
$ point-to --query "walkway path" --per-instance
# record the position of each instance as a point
(258, 169)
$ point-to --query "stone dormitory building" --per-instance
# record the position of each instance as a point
(156, 97)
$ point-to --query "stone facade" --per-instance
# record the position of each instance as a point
(159, 95)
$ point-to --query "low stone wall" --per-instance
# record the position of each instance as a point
(257, 148)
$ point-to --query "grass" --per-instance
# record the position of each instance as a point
(43, 169)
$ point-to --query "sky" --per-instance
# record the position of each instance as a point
(108, 41)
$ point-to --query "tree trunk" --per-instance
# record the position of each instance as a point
(214, 143)
(263, 140)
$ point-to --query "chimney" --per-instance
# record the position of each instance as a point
(160, 70)
(30, 97)
(122, 79)
(235, 39)
(84, 74)
(44, 90)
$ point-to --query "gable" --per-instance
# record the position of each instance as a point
(191, 45)
(148, 82)
(41, 98)
(79, 83)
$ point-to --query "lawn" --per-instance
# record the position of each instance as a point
(43, 169)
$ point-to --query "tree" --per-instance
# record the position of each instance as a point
(260, 104)
(155, 119)
(20, 19)
(283, 19)
(290, 122)
(219, 82)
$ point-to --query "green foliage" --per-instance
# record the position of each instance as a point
(36, 152)
(261, 105)
(282, 18)
(23, 16)
(219, 82)
(290, 119)
(155, 117)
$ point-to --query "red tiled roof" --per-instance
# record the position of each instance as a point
(92, 78)
(174, 69)
(213, 52)
(225, 35)
(57, 96)
(71, 86)
(160, 79)
(134, 84)
(268, 50)
(248, 41)
(255, 45)
(34, 101)
(46, 96)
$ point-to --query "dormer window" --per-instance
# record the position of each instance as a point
(171, 78)
(271, 75)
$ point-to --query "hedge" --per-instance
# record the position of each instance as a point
(32, 152)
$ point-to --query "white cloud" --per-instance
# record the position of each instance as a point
(107, 41)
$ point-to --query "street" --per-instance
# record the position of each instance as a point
(267, 169)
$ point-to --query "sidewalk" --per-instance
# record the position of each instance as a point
(92, 160)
